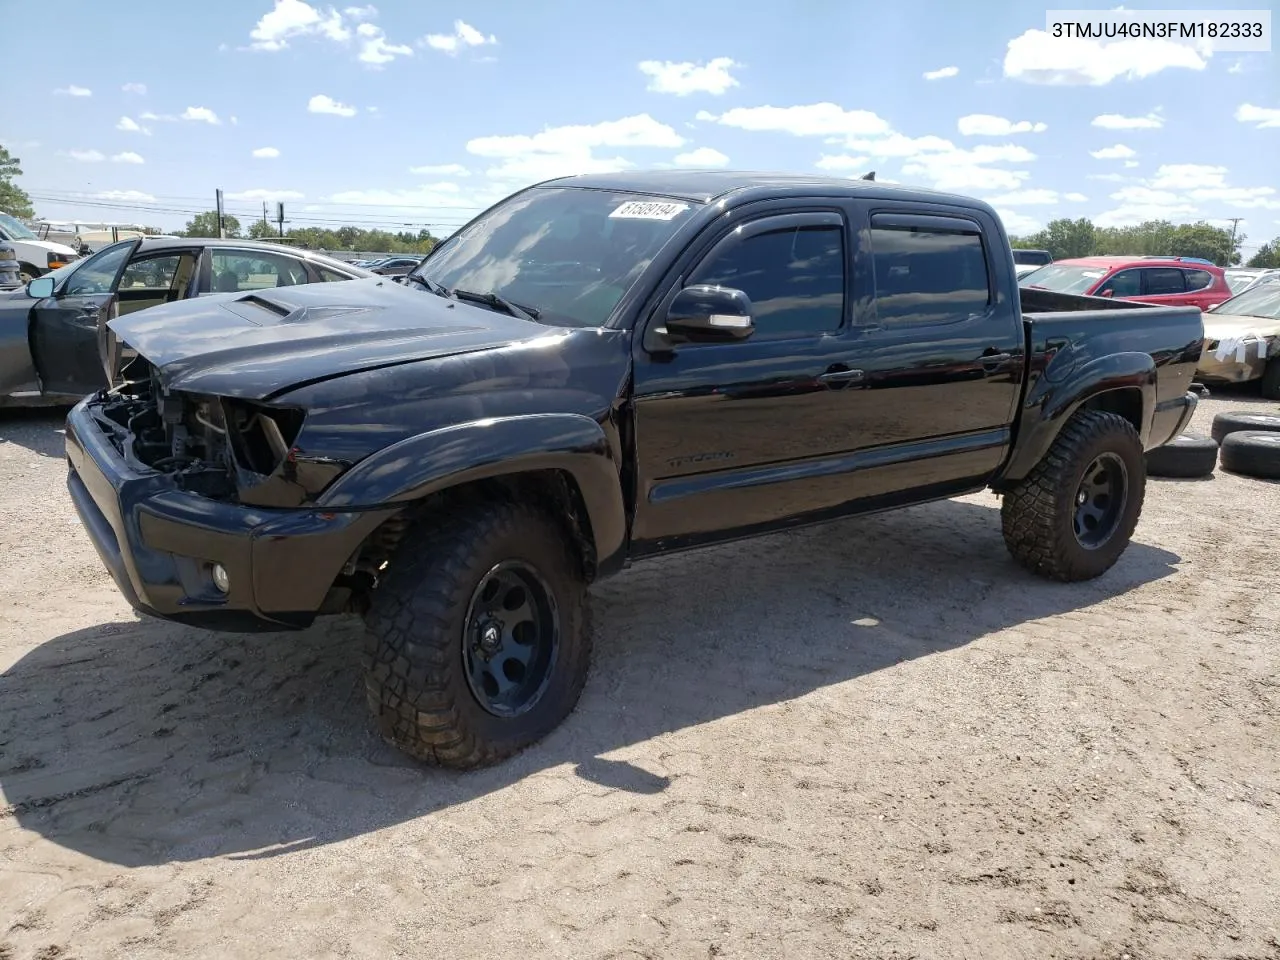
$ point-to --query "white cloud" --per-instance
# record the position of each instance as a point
(1178, 191)
(444, 197)
(200, 115)
(138, 88)
(702, 157)
(1018, 223)
(72, 90)
(127, 156)
(1037, 57)
(266, 153)
(441, 170)
(841, 163)
(86, 156)
(1130, 163)
(1262, 116)
(1075, 197)
(374, 48)
(464, 35)
(1118, 152)
(129, 125)
(682, 79)
(321, 103)
(148, 115)
(986, 125)
(126, 196)
(1116, 121)
(1026, 198)
(1237, 67)
(815, 119)
(259, 195)
(361, 13)
(1110, 177)
(941, 74)
(561, 151)
(898, 145)
(294, 18)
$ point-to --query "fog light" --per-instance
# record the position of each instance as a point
(221, 579)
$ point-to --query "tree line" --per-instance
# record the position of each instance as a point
(1066, 238)
(314, 238)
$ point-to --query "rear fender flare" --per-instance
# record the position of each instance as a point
(416, 467)
(1050, 405)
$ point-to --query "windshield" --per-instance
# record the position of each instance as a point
(1238, 281)
(1062, 278)
(1261, 301)
(568, 253)
(15, 228)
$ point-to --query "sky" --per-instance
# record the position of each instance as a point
(407, 115)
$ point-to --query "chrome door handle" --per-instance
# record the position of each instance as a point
(841, 375)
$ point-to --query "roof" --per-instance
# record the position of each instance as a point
(1120, 260)
(182, 243)
(703, 186)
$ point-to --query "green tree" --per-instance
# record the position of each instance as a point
(13, 199)
(1063, 238)
(1161, 238)
(206, 225)
(1268, 255)
(259, 230)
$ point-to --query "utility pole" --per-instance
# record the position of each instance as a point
(280, 216)
(1232, 249)
(222, 222)
(264, 216)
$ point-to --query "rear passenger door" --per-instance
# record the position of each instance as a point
(1163, 285)
(941, 352)
(231, 270)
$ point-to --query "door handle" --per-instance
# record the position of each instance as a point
(990, 360)
(840, 374)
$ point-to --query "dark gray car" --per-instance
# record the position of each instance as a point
(50, 329)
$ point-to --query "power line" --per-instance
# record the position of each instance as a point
(74, 195)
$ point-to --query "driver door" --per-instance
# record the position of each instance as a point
(64, 327)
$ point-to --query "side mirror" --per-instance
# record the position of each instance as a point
(709, 314)
(40, 288)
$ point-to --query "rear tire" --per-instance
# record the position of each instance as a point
(1225, 424)
(1252, 453)
(1188, 456)
(1271, 379)
(1074, 514)
(27, 273)
(479, 638)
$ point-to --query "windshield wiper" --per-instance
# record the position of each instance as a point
(493, 300)
(439, 289)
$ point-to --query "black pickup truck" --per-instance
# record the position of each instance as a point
(596, 370)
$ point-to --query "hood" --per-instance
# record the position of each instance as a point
(254, 345)
(48, 246)
(1226, 326)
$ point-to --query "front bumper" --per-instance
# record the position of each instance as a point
(160, 543)
(1236, 361)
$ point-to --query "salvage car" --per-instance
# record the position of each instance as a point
(598, 370)
(1170, 281)
(50, 330)
(1242, 340)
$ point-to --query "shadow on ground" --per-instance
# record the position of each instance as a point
(146, 742)
(39, 429)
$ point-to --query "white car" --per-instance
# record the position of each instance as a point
(1242, 339)
(36, 257)
(1241, 279)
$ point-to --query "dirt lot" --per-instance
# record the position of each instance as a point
(877, 739)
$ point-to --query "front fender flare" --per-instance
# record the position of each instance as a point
(1050, 405)
(419, 466)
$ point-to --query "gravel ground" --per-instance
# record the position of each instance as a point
(874, 739)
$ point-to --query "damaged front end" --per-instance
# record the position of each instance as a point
(222, 448)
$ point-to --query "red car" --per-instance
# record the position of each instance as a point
(1171, 281)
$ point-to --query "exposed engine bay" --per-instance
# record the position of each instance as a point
(217, 447)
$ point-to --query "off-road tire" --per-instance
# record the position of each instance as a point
(1252, 453)
(27, 273)
(1188, 456)
(1037, 516)
(1271, 379)
(416, 680)
(1225, 424)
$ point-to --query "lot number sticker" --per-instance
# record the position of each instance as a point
(649, 210)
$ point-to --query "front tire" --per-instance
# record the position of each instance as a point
(1074, 514)
(479, 638)
(27, 273)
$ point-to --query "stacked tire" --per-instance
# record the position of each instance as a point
(1249, 444)
(1186, 457)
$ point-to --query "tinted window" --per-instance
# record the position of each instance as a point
(154, 273)
(928, 275)
(1126, 283)
(1162, 280)
(794, 277)
(331, 276)
(98, 273)
(1036, 257)
(1198, 279)
(234, 271)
